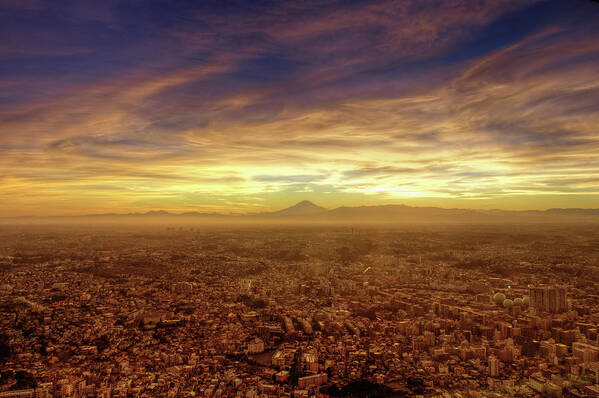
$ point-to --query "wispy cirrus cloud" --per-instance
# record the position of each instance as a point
(362, 102)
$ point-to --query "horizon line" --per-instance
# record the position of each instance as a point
(200, 213)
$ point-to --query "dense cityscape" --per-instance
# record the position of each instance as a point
(304, 312)
(299, 198)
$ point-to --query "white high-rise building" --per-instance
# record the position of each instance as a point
(548, 299)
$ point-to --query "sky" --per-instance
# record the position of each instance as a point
(247, 106)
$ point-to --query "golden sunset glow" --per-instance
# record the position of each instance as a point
(341, 104)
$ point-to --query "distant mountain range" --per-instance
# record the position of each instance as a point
(308, 212)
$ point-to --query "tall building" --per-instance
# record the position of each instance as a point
(548, 299)
(493, 366)
(585, 352)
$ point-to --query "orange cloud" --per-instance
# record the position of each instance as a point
(513, 124)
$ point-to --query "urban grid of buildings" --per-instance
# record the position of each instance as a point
(85, 328)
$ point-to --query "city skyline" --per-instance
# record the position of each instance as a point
(239, 107)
